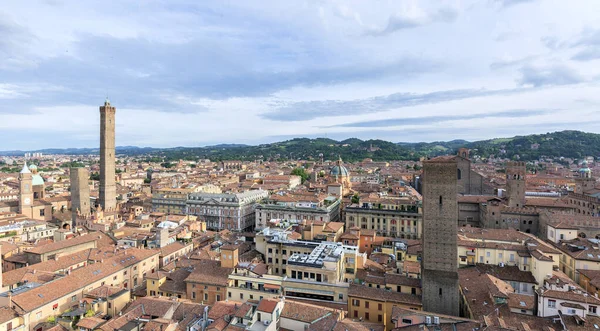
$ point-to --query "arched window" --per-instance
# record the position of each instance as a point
(440, 199)
(458, 174)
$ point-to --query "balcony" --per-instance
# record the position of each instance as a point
(267, 289)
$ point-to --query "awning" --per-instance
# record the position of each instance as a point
(76, 312)
(272, 287)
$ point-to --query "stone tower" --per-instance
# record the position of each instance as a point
(515, 183)
(108, 189)
(26, 192)
(80, 192)
(440, 222)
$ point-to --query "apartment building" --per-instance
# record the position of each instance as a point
(170, 200)
(507, 247)
(297, 208)
(311, 270)
(124, 268)
(401, 218)
(560, 295)
(371, 304)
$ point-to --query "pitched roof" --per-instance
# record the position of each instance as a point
(267, 305)
(209, 272)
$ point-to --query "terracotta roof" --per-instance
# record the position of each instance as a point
(119, 321)
(380, 294)
(303, 312)
(267, 305)
(7, 314)
(55, 246)
(172, 248)
(90, 322)
(521, 301)
(80, 278)
(209, 272)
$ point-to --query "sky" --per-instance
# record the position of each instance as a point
(196, 73)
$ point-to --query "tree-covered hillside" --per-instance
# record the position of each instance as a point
(571, 144)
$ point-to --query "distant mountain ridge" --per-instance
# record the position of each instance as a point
(571, 144)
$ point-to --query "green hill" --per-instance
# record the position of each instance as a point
(571, 144)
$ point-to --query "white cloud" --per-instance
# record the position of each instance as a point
(186, 73)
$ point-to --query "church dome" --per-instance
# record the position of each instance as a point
(584, 167)
(33, 168)
(339, 170)
(37, 180)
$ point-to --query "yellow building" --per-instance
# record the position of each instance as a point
(400, 218)
(507, 247)
(251, 281)
(125, 269)
(577, 253)
(371, 304)
(170, 200)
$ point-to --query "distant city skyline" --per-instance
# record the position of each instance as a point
(195, 74)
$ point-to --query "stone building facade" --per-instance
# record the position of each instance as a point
(235, 212)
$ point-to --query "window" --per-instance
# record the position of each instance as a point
(218, 297)
(38, 315)
(440, 199)
(366, 304)
(109, 305)
(440, 291)
(593, 310)
(379, 307)
(341, 296)
(487, 254)
(73, 298)
(356, 314)
(205, 296)
(551, 303)
(356, 303)
(406, 321)
(115, 278)
(193, 295)
(241, 295)
(379, 318)
(413, 291)
(366, 316)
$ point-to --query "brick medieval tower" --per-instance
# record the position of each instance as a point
(108, 189)
(80, 193)
(440, 222)
(515, 183)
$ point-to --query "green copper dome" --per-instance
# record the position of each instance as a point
(339, 169)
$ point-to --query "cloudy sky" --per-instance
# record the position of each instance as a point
(194, 73)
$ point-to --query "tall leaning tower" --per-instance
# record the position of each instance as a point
(516, 172)
(108, 189)
(440, 225)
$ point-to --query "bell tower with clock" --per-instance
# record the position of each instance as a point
(25, 192)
